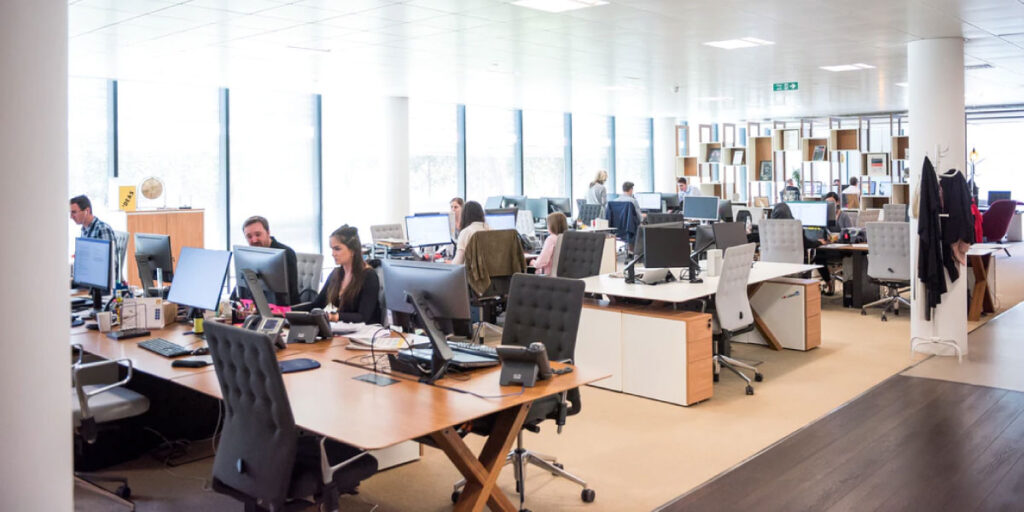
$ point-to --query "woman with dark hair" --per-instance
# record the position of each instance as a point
(557, 224)
(472, 221)
(352, 287)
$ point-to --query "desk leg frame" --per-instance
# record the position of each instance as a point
(981, 296)
(482, 472)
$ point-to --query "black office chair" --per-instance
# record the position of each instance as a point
(725, 211)
(263, 459)
(661, 218)
(589, 212)
(545, 309)
(622, 216)
(580, 255)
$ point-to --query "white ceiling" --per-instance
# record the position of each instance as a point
(631, 57)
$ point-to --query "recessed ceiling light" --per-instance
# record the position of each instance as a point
(558, 5)
(902, 84)
(847, 67)
(733, 44)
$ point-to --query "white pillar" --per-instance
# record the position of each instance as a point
(35, 431)
(936, 92)
(664, 154)
(396, 159)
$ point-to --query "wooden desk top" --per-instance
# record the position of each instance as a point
(330, 402)
(845, 247)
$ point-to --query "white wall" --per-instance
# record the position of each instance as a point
(35, 429)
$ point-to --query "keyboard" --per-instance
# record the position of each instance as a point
(164, 347)
(124, 334)
(473, 348)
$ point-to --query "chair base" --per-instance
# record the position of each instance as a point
(731, 364)
(519, 458)
(890, 303)
(120, 495)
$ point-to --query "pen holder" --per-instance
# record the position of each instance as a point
(714, 262)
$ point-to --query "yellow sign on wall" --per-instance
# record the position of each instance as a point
(126, 198)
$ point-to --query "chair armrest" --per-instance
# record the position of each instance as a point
(302, 306)
(83, 395)
(81, 353)
(326, 469)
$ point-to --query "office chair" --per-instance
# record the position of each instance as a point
(782, 240)
(866, 216)
(889, 263)
(580, 254)
(894, 213)
(661, 218)
(545, 309)
(492, 257)
(732, 314)
(589, 212)
(383, 232)
(310, 271)
(622, 216)
(744, 217)
(995, 222)
(579, 206)
(99, 404)
(121, 241)
(262, 459)
(851, 201)
(725, 210)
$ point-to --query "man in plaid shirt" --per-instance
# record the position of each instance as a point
(92, 227)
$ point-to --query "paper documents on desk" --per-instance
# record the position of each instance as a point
(385, 341)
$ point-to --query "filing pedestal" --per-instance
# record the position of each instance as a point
(790, 311)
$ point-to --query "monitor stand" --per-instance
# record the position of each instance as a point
(255, 284)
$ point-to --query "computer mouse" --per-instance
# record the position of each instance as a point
(201, 351)
(189, 363)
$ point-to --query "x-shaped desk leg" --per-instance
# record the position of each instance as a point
(482, 473)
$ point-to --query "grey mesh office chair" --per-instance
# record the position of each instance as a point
(310, 271)
(732, 312)
(782, 241)
(661, 218)
(579, 255)
(889, 263)
(387, 231)
(99, 404)
(867, 216)
(263, 460)
(121, 239)
(544, 309)
(894, 213)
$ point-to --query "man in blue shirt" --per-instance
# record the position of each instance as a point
(92, 227)
(685, 189)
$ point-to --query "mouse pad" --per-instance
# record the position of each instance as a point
(298, 365)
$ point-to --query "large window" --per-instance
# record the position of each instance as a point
(88, 151)
(633, 153)
(272, 166)
(591, 142)
(433, 171)
(172, 133)
(490, 152)
(998, 164)
(544, 154)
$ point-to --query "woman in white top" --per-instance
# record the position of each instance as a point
(556, 226)
(597, 194)
(472, 221)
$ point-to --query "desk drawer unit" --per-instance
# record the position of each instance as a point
(599, 344)
(791, 309)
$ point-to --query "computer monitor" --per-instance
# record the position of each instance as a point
(560, 204)
(813, 188)
(504, 218)
(867, 188)
(444, 286)
(538, 208)
(810, 213)
(884, 188)
(700, 208)
(200, 278)
(666, 247)
(725, 210)
(431, 229)
(94, 268)
(996, 195)
(671, 200)
(493, 202)
(270, 268)
(641, 234)
(704, 238)
(153, 252)
(518, 202)
(729, 234)
(649, 201)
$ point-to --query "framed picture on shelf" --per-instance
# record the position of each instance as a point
(715, 155)
(737, 157)
(764, 170)
(819, 153)
(877, 164)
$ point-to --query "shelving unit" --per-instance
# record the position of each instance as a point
(901, 193)
(807, 145)
(900, 147)
(686, 166)
(844, 139)
(729, 153)
(782, 135)
(866, 163)
(705, 151)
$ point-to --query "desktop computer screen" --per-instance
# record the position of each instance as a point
(538, 208)
(729, 234)
(501, 220)
(649, 201)
(94, 264)
(432, 229)
(442, 285)
(153, 252)
(700, 208)
(666, 247)
(867, 188)
(996, 195)
(884, 188)
(492, 202)
(810, 213)
(270, 266)
(200, 278)
(560, 204)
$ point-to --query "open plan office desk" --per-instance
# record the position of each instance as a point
(330, 402)
(658, 352)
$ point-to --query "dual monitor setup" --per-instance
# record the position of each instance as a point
(667, 245)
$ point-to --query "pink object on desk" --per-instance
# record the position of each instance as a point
(274, 308)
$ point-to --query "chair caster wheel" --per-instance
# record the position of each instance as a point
(715, 378)
(750, 390)
(863, 313)
(124, 491)
(884, 319)
(897, 312)
(558, 465)
(588, 495)
(455, 496)
(758, 377)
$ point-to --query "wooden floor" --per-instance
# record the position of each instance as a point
(908, 444)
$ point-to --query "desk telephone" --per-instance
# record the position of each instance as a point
(306, 327)
(270, 326)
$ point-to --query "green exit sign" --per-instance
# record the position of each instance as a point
(785, 86)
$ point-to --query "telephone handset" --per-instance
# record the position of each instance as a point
(270, 326)
(307, 327)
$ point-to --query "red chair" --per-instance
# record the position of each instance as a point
(996, 221)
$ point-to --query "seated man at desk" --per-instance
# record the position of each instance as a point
(352, 289)
(627, 196)
(684, 189)
(92, 226)
(257, 234)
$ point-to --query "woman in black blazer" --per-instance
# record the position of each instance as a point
(353, 287)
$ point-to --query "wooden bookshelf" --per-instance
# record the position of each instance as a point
(781, 136)
(900, 193)
(865, 164)
(705, 151)
(686, 166)
(900, 147)
(844, 139)
(759, 149)
(807, 146)
(873, 202)
(729, 153)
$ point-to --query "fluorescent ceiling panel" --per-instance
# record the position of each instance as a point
(558, 5)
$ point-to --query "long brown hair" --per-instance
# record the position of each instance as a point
(349, 237)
